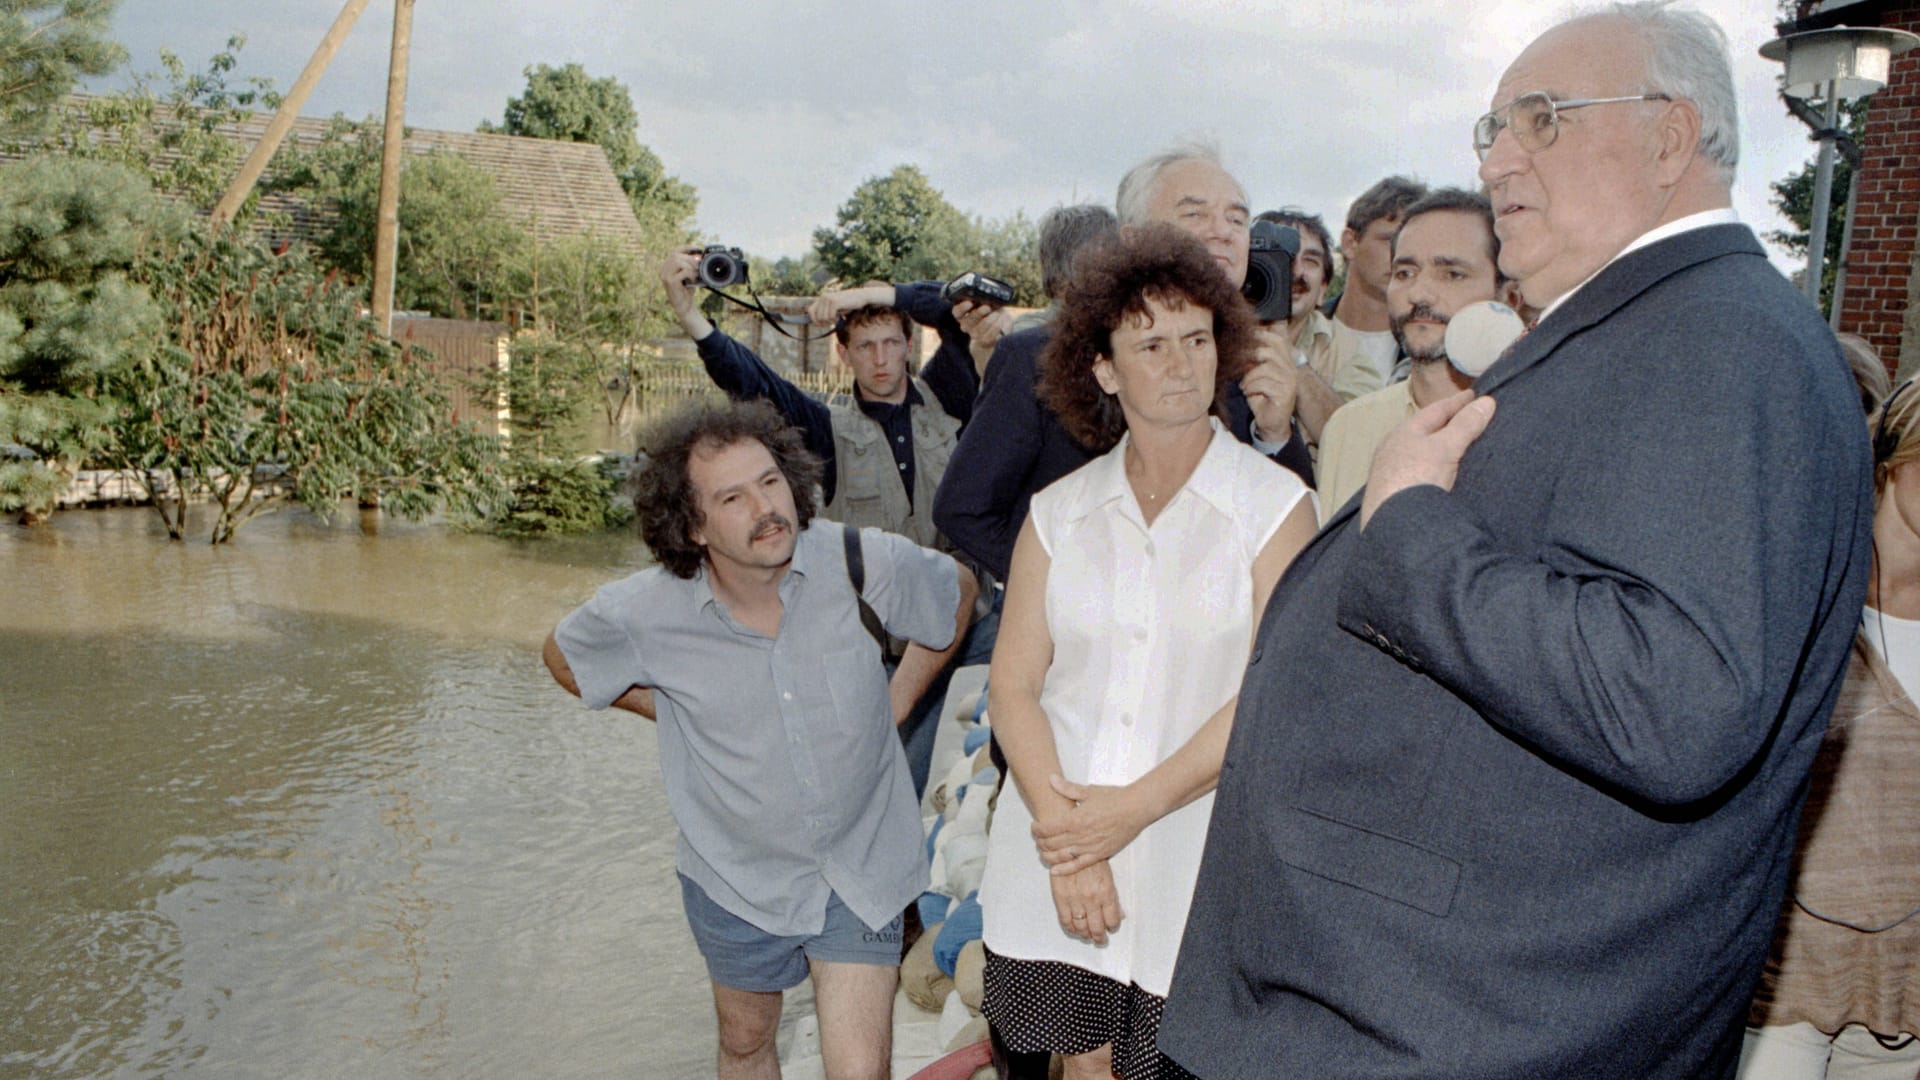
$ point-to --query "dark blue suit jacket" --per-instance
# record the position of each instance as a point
(1512, 787)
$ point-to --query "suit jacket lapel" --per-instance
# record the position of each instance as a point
(1613, 288)
(1607, 293)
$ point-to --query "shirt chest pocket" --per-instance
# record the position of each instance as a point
(865, 466)
(854, 694)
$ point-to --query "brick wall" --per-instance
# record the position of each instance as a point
(1882, 289)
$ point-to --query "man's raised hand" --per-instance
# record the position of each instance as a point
(1426, 449)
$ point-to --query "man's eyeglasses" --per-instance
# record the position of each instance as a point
(1535, 119)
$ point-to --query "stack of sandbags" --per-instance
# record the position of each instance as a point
(943, 971)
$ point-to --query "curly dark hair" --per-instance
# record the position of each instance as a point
(1112, 284)
(663, 495)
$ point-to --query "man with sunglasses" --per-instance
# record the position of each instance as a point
(1513, 783)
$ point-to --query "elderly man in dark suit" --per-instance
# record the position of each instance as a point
(1513, 782)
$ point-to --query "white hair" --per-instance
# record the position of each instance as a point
(1137, 187)
(1687, 60)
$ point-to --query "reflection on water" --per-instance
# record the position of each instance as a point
(308, 806)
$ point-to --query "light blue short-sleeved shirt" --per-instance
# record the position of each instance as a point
(779, 754)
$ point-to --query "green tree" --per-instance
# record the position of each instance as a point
(458, 245)
(587, 288)
(454, 232)
(897, 227)
(568, 104)
(173, 134)
(788, 276)
(270, 387)
(1793, 197)
(551, 385)
(589, 310)
(45, 47)
(589, 291)
(584, 304)
(201, 362)
(71, 233)
(1010, 251)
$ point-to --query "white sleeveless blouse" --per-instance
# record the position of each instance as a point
(1151, 628)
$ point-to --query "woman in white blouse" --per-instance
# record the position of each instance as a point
(1136, 585)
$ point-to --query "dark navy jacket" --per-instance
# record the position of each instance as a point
(1514, 778)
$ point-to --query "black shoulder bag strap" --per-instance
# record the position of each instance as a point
(857, 573)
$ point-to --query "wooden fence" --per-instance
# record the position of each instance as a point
(466, 358)
(661, 385)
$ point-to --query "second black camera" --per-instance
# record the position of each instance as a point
(1269, 286)
(978, 288)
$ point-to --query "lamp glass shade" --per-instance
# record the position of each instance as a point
(1855, 59)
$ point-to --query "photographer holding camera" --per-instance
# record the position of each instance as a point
(969, 322)
(1297, 383)
(883, 452)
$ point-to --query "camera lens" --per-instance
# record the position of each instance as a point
(1269, 295)
(718, 270)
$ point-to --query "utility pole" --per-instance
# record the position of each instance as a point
(289, 111)
(387, 232)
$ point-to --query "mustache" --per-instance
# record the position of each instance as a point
(768, 523)
(1422, 311)
(1414, 352)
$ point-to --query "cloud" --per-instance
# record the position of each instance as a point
(776, 113)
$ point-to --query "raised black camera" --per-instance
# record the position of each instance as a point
(1269, 285)
(978, 288)
(722, 267)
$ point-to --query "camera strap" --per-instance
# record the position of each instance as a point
(857, 575)
(773, 318)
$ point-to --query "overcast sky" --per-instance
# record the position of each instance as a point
(776, 112)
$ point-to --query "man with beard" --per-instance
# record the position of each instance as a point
(1302, 378)
(800, 839)
(1522, 742)
(1445, 256)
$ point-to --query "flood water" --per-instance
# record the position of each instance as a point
(309, 806)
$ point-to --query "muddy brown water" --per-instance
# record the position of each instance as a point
(308, 806)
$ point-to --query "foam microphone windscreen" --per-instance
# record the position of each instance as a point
(1478, 333)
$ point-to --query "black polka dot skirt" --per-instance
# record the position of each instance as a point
(1046, 1005)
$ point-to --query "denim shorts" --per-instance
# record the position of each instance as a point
(741, 956)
